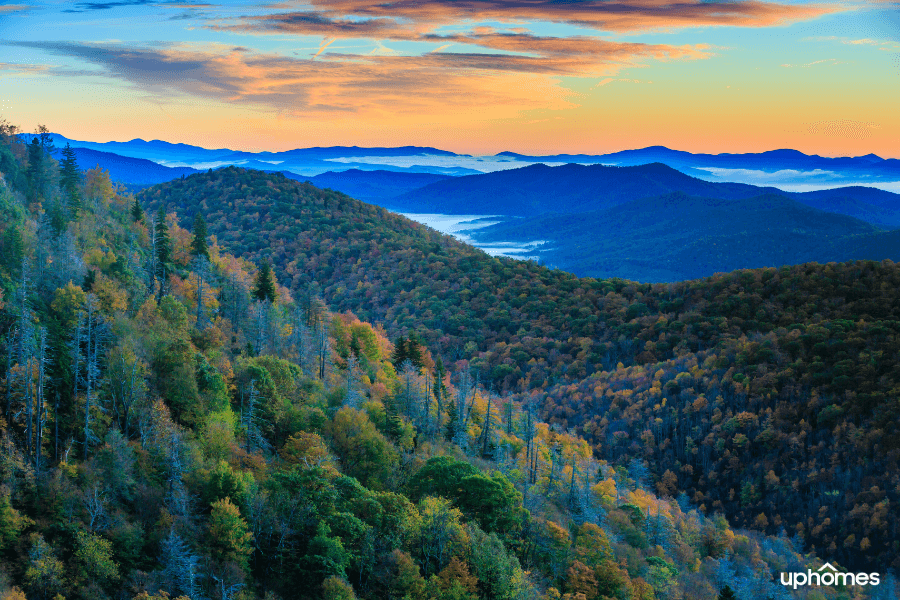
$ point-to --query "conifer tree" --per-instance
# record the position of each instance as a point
(198, 244)
(414, 350)
(35, 171)
(12, 250)
(726, 593)
(399, 355)
(137, 212)
(163, 250)
(264, 288)
(70, 178)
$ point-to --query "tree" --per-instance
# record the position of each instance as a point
(44, 575)
(199, 246)
(70, 179)
(335, 588)
(137, 212)
(94, 558)
(35, 171)
(11, 522)
(325, 557)
(363, 451)
(399, 355)
(162, 249)
(180, 565)
(264, 287)
(438, 533)
(726, 593)
(13, 250)
(228, 537)
(492, 501)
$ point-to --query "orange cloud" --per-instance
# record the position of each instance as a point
(353, 82)
(493, 84)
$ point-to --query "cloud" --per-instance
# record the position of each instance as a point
(87, 6)
(609, 80)
(494, 84)
(581, 46)
(843, 128)
(405, 17)
(576, 55)
(6, 8)
(823, 62)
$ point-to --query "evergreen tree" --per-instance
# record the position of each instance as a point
(70, 178)
(264, 288)
(198, 244)
(137, 213)
(355, 349)
(414, 350)
(12, 251)
(399, 355)
(35, 172)
(163, 246)
(726, 593)
(59, 217)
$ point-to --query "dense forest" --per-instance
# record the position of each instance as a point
(677, 237)
(178, 424)
(781, 344)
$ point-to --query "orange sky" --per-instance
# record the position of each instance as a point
(473, 76)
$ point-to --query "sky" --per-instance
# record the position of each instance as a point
(470, 76)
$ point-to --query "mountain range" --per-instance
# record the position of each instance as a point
(646, 222)
(785, 168)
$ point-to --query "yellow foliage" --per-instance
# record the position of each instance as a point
(97, 186)
(112, 297)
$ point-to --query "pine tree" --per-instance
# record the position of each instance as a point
(163, 250)
(414, 350)
(727, 593)
(399, 355)
(264, 288)
(198, 244)
(137, 213)
(70, 178)
(35, 171)
(13, 250)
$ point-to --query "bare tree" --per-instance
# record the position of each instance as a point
(181, 567)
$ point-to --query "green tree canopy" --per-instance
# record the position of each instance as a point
(199, 246)
(264, 287)
(70, 179)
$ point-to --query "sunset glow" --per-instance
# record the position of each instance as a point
(478, 76)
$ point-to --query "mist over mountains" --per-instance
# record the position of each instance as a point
(652, 214)
(784, 168)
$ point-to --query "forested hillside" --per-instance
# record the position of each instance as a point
(676, 237)
(177, 424)
(785, 344)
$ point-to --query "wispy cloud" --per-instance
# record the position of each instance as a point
(844, 128)
(823, 62)
(88, 6)
(334, 82)
(400, 17)
(323, 46)
(6, 8)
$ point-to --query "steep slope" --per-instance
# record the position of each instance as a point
(781, 344)
(677, 237)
